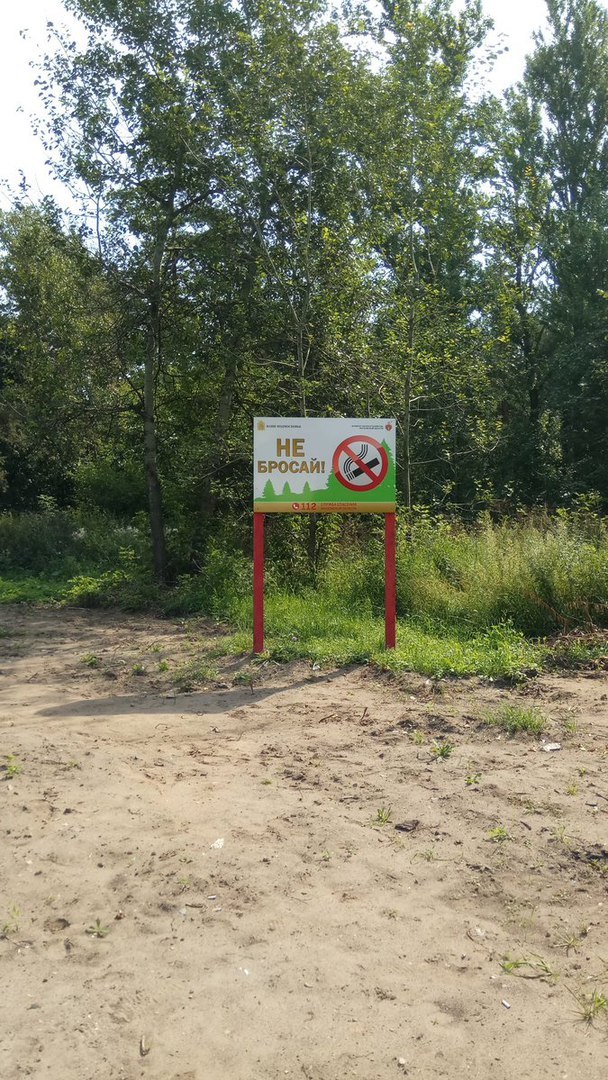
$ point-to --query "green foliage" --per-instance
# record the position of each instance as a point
(21, 588)
(97, 930)
(54, 539)
(517, 719)
(114, 588)
(468, 599)
(568, 75)
(12, 767)
(498, 835)
(580, 650)
(118, 489)
(218, 589)
(538, 575)
(55, 375)
(442, 750)
(287, 226)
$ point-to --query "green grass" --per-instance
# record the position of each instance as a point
(541, 574)
(499, 601)
(592, 1006)
(442, 751)
(11, 926)
(12, 767)
(498, 835)
(196, 672)
(314, 626)
(534, 967)
(21, 588)
(317, 626)
(97, 930)
(517, 719)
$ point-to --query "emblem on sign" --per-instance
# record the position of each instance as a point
(360, 463)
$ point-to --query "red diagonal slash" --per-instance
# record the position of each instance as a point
(360, 462)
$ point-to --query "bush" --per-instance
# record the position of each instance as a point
(539, 577)
(219, 589)
(68, 540)
(114, 588)
(114, 488)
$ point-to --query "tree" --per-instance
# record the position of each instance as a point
(568, 76)
(58, 391)
(122, 113)
(514, 285)
(425, 202)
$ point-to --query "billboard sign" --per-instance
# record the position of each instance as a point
(303, 465)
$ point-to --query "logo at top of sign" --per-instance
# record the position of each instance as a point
(360, 463)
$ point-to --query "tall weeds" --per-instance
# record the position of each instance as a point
(539, 574)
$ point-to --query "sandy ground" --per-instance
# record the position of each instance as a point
(254, 917)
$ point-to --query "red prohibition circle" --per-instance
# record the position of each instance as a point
(345, 447)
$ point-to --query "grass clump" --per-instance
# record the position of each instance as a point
(98, 930)
(12, 767)
(11, 924)
(442, 750)
(517, 720)
(528, 968)
(571, 940)
(383, 815)
(499, 835)
(194, 673)
(592, 1006)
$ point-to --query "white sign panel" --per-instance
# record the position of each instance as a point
(303, 465)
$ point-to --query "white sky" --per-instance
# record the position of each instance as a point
(515, 19)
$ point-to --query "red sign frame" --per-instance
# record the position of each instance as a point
(390, 581)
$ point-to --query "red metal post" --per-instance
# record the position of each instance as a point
(390, 580)
(258, 583)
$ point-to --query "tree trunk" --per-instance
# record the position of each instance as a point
(151, 372)
(222, 423)
(313, 544)
(533, 389)
(411, 342)
(407, 415)
(224, 406)
(155, 505)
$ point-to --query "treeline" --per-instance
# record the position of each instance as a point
(279, 208)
